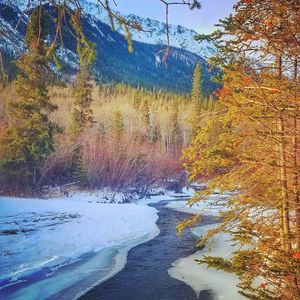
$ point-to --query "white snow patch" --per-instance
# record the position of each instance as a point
(54, 232)
(73, 243)
(207, 207)
(198, 276)
(187, 193)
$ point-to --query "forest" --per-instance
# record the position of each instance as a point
(242, 139)
(129, 138)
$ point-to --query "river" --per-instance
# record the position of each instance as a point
(145, 276)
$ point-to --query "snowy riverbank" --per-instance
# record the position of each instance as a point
(52, 234)
(198, 276)
(59, 248)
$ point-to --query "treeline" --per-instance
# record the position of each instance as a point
(157, 116)
(252, 143)
(134, 138)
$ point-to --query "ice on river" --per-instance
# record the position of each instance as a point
(199, 277)
(50, 234)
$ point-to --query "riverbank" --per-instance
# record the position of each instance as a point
(77, 247)
(48, 235)
(198, 276)
(40, 239)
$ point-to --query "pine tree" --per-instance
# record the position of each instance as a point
(146, 118)
(78, 169)
(196, 93)
(83, 113)
(136, 101)
(211, 103)
(250, 147)
(175, 130)
(29, 138)
(118, 122)
(82, 117)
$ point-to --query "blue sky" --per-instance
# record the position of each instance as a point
(201, 20)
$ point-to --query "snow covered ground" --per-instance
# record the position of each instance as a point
(59, 248)
(198, 276)
(207, 207)
(50, 234)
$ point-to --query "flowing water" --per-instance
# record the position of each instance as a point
(145, 276)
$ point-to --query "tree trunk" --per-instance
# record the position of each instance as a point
(296, 175)
(285, 217)
(284, 187)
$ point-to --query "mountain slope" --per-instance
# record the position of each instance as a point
(114, 63)
(154, 32)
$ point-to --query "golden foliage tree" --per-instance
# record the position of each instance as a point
(251, 148)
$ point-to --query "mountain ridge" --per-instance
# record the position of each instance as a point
(154, 32)
(114, 62)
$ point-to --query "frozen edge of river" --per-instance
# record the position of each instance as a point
(121, 258)
(54, 236)
(197, 276)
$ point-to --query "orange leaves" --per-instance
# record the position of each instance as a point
(263, 285)
(268, 23)
(238, 18)
(245, 131)
(254, 37)
(289, 278)
(248, 1)
(221, 93)
(297, 255)
(247, 80)
(217, 93)
(247, 36)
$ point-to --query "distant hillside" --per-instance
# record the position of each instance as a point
(114, 63)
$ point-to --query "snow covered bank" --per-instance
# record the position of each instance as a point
(198, 276)
(168, 196)
(49, 234)
(202, 207)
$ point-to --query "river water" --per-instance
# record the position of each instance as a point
(145, 276)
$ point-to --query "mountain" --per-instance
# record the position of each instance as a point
(114, 63)
(154, 32)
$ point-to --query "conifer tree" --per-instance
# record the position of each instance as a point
(29, 138)
(196, 93)
(211, 103)
(83, 114)
(136, 101)
(250, 147)
(118, 122)
(146, 118)
(78, 168)
(175, 130)
(82, 117)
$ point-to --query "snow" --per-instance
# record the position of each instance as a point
(10, 40)
(154, 32)
(59, 248)
(198, 276)
(170, 196)
(206, 207)
(53, 233)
